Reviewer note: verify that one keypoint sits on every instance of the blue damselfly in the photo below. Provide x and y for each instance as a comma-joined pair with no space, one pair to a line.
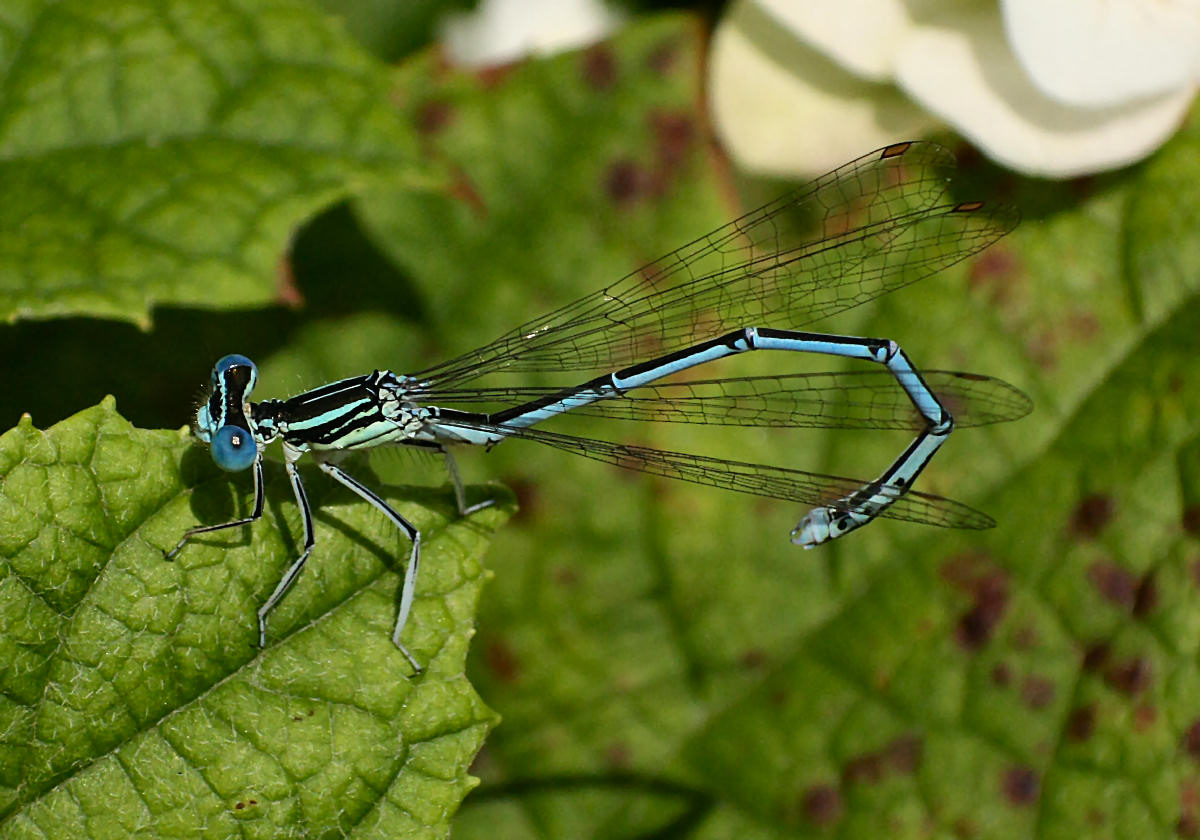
883,221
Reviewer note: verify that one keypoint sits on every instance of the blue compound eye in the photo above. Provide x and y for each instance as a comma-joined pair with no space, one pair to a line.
233,448
249,376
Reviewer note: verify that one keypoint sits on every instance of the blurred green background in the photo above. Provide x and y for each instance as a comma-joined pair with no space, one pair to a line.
665,662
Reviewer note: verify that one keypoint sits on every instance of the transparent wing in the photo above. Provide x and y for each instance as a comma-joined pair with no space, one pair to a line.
756,479
881,222
845,400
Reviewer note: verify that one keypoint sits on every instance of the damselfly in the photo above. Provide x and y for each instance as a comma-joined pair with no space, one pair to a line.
883,221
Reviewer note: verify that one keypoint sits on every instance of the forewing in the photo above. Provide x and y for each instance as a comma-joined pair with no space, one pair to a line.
878,223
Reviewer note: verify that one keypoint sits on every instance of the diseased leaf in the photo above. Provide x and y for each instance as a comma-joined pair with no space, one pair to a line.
134,700
1037,680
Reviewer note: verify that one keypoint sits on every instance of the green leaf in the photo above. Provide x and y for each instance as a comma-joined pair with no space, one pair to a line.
164,153
686,672
134,701
392,30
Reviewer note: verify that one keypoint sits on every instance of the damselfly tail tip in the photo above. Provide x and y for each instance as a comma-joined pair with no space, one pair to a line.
814,528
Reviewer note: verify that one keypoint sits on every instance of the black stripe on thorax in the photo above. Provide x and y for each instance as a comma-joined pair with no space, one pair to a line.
324,414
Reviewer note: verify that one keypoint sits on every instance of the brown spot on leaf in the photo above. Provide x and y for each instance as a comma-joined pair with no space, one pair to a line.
866,768
433,116
978,624
901,755
623,182
673,136
502,661
1037,692
239,806
1189,794
904,754
1020,785
1131,676
1115,583
1145,599
1191,519
1092,515
1081,723
661,59
1095,656
977,576
494,75
599,67
823,804
1144,716
1002,674
1188,824
1191,740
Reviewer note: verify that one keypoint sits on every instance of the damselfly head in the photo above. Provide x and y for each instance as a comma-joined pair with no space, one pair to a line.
221,420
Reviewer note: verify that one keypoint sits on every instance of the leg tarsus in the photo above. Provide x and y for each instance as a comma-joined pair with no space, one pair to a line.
246,520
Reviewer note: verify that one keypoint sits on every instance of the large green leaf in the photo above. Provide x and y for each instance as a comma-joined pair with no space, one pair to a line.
134,700
682,670
159,153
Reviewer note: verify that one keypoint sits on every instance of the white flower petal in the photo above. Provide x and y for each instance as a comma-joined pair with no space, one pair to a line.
860,35
782,109
501,31
1090,53
966,75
